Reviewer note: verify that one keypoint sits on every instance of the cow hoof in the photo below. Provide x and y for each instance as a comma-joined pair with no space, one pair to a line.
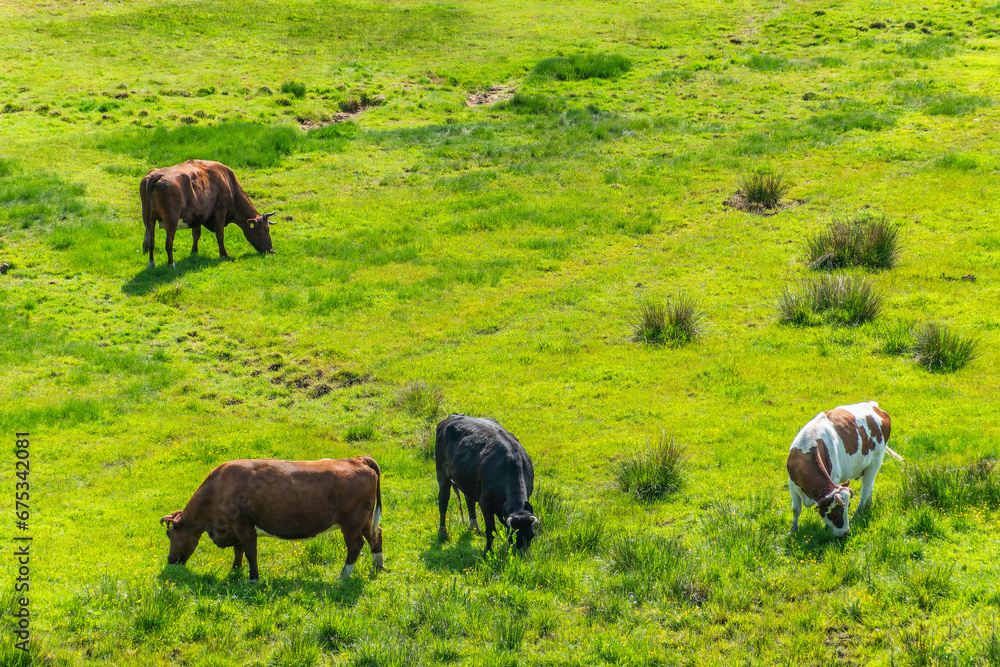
443,535
151,264
379,561
174,265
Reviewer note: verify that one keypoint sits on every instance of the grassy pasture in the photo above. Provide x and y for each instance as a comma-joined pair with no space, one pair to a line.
495,259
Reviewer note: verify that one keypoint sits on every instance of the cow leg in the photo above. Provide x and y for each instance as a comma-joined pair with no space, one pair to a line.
374,538
171,230
237,557
151,237
195,234
444,495
470,503
247,536
354,542
220,231
867,486
489,521
796,509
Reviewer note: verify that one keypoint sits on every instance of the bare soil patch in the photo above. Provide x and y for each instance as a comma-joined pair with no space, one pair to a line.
489,96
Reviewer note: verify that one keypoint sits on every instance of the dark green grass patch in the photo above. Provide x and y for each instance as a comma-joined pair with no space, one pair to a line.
583,66
524,103
676,322
931,46
937,348
839,122
836,299
865,238
951,487
28,199
950,104
829,61
654,472
234,144
765,62
957,161
296,89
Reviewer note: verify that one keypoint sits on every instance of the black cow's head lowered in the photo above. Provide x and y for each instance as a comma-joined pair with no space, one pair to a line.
258,232
183,538
522,524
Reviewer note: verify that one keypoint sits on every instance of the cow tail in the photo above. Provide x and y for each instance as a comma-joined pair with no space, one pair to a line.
145,191
378,492
894,455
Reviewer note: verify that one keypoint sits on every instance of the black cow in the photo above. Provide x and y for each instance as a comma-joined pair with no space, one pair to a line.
485,462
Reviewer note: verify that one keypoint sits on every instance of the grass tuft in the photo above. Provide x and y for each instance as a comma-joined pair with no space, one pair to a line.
338,631
653,473
294,88
583,66
677,322
895,339
765,62
866,239
938,349
951,488
835,299
420,399
759,191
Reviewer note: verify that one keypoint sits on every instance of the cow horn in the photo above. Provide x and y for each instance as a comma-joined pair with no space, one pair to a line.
171,519
510,520
268,215
534,521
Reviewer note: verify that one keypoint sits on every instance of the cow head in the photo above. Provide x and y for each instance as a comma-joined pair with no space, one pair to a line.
834,507
183,537
258,232
522,524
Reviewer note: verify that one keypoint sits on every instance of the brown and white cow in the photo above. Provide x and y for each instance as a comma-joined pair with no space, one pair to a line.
835,447
196,194
291,500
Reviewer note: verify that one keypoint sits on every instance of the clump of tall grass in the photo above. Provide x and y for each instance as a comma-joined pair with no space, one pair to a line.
420,399
583,66
655,472
759,191
296,89
524,103
676,322
939,349
950,487
866,239
652,567
895,339
840,299
361,431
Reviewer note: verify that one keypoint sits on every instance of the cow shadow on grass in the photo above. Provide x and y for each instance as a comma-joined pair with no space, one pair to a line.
235,585
813,539
149,280
455,555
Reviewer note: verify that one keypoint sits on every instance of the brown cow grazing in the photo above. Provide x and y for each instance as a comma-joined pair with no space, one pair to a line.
202,194
291,500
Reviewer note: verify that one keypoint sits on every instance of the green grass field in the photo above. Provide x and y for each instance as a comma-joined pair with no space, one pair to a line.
436,255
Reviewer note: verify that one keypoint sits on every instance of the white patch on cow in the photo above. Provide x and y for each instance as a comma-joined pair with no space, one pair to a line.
379,560
264,533
346,572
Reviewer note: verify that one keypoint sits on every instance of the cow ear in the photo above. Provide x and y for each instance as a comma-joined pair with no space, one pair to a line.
251,222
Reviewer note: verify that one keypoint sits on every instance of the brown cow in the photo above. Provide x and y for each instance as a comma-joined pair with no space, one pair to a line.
291,500
202,194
